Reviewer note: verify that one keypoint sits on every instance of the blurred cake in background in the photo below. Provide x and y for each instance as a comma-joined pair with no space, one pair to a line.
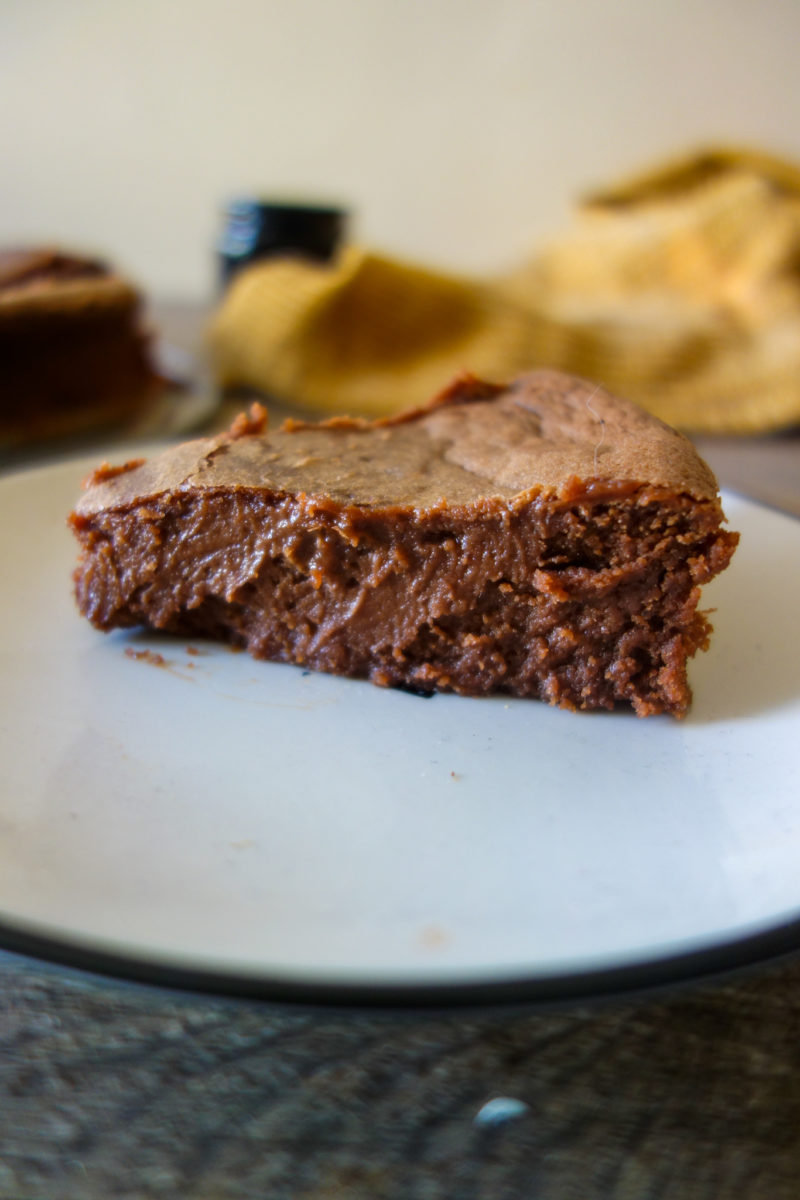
74,353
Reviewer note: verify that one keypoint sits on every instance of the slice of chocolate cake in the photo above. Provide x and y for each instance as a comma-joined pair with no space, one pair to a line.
544,539
73,353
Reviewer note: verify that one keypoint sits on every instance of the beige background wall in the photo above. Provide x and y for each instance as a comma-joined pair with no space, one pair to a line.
459,130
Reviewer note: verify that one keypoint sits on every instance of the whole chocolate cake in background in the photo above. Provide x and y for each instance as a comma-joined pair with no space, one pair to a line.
74,354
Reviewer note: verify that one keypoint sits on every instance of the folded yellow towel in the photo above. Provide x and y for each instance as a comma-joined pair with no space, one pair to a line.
679,289
363,335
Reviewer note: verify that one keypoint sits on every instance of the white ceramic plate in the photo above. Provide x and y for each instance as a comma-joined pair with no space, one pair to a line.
239,826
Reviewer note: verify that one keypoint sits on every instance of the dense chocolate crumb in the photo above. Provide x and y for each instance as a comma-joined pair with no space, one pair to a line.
544,540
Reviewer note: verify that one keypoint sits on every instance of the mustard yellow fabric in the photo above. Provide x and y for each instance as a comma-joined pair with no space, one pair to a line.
366,335
679,289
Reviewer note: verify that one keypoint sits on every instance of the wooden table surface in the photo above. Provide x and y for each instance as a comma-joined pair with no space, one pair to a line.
111,1090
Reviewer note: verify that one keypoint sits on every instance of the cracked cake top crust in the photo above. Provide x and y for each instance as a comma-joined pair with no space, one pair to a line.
545,434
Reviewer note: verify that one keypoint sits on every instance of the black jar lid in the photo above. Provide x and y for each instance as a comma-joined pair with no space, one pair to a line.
255,228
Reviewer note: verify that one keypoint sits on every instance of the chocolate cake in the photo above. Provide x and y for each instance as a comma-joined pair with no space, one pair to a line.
544,539
73,354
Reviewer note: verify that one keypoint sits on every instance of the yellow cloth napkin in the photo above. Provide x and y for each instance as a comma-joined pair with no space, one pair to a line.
365,335
679,289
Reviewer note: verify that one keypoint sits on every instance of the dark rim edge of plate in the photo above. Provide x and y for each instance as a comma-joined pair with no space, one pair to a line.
692,966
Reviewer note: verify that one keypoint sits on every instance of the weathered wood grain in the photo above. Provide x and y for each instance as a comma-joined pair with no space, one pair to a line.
126,1092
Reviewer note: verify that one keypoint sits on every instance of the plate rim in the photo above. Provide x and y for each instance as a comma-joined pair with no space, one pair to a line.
775,942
